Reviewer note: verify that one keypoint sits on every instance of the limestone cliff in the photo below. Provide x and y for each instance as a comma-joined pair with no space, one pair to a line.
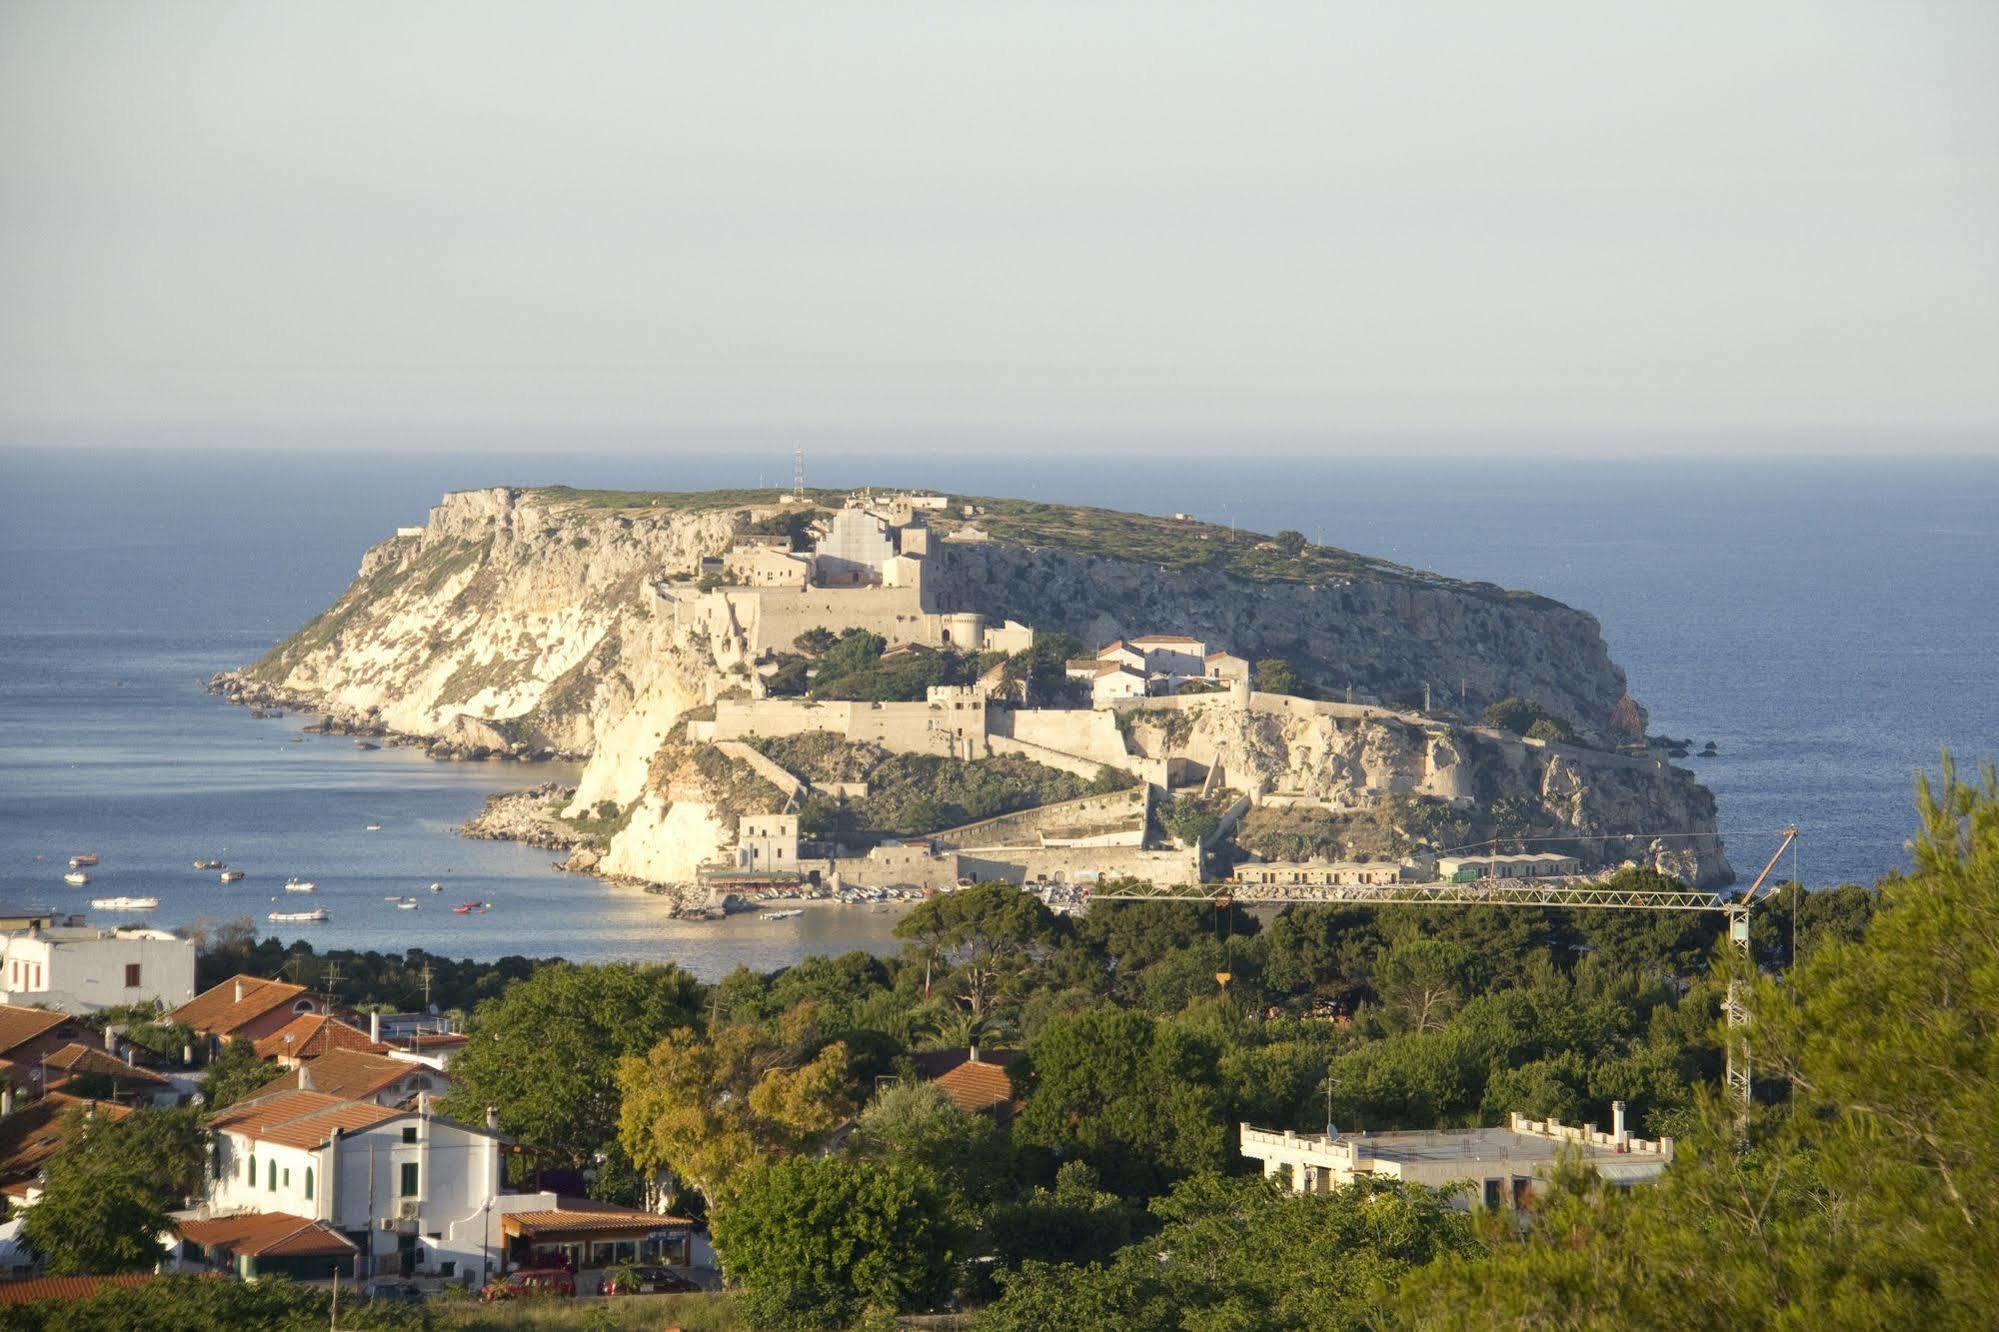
1364,782
553,621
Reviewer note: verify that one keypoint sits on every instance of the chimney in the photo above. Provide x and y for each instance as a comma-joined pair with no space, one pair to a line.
304,1076
1617,1129
375,1027
239,989
492,1119
975,1053
423,1100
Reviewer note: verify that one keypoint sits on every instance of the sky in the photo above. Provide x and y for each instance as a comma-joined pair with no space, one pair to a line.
280,222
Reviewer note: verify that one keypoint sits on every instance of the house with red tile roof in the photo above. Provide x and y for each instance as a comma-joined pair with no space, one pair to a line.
29,1035
264,1244
357,1075
37,1289
85,1069
35,1132
310,1035
247,1006
980,1086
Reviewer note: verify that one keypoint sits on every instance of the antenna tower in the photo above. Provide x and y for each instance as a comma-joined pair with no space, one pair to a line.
798,475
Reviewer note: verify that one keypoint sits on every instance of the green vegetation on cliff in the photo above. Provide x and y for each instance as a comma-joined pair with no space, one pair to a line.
912,794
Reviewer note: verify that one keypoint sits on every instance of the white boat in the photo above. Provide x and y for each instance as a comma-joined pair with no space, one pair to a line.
437,887
299,917
781,915
406,905
230,876
124,903
76,878
298,885
374,827
210,865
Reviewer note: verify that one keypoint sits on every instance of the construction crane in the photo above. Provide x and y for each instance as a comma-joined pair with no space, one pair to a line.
1567,894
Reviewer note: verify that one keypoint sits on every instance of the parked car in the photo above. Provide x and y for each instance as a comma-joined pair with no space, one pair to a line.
530,1282
392,1292
645,1280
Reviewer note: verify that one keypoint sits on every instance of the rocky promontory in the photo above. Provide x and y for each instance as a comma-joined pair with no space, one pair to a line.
520,624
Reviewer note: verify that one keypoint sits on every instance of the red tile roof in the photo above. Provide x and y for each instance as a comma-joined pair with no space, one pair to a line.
20,1025
311,1034
267,1235
34,1133
219,1012
67,1288
299,1118
74,1059
975,1086
352,1075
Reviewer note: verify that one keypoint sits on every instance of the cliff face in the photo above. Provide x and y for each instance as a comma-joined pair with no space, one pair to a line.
1462,784
558,622
1383,636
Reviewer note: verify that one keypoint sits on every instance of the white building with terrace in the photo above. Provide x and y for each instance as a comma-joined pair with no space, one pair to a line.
1482,1167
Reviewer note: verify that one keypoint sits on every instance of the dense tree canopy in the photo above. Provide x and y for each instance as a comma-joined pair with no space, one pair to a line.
545,1054
817,1241
107,1192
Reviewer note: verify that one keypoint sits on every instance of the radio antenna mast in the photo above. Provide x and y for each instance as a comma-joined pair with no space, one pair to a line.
798,475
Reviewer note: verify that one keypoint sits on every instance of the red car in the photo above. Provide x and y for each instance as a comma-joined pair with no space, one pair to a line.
531,1282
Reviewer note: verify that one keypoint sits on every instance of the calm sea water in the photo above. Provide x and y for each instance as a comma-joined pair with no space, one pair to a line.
1831,624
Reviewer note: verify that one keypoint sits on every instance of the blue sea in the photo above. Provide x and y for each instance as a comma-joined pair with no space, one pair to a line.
1830,623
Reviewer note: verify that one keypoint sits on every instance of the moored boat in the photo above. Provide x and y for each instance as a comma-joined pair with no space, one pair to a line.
437,887
230,875
83,861
209,865
299,917
298,885
123,903
405,905
781,915
76,878
374,827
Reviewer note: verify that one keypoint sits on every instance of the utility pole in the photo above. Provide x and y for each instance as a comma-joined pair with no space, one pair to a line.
426,986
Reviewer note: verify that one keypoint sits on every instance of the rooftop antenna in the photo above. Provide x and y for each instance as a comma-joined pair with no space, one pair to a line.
798,475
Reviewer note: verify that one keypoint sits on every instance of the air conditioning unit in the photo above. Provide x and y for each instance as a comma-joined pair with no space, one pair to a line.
409,1209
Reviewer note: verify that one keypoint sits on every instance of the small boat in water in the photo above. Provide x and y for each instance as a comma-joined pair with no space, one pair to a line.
76,878
123,903
406,905
374,827
84,861
437,887
299,917
781,915
230,876
210,864
471,908
298,885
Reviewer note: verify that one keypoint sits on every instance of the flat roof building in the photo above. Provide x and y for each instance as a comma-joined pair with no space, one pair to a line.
1488,1167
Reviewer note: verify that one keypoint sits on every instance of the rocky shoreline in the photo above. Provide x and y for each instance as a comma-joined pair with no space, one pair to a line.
468,740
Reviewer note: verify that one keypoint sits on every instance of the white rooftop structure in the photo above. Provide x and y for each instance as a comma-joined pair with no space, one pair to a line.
1492,1167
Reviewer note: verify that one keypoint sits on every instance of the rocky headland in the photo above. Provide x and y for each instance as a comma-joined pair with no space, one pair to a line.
522,624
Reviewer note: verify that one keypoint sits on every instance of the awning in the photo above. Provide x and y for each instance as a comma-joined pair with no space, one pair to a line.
584,1220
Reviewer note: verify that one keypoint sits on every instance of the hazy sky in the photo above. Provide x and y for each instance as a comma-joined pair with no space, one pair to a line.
1511,218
